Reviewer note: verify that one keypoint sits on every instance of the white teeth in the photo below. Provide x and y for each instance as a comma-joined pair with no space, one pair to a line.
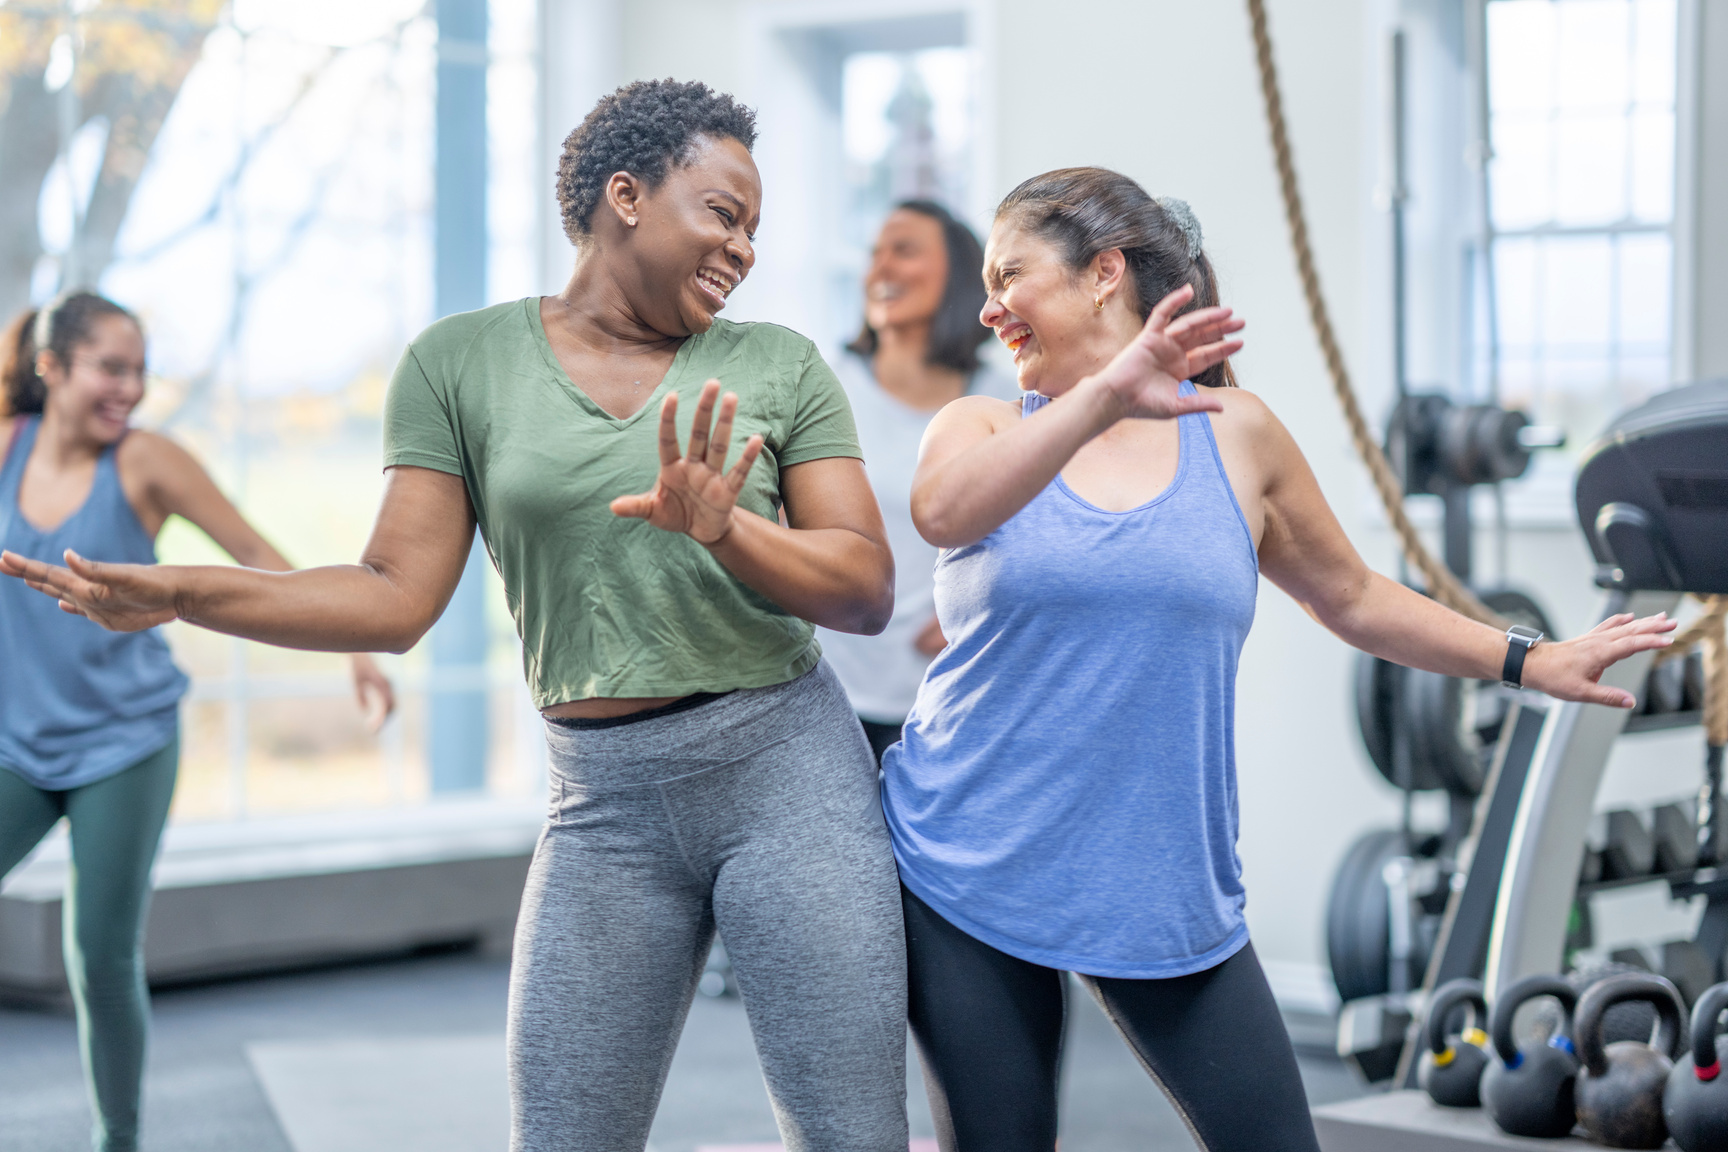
721,286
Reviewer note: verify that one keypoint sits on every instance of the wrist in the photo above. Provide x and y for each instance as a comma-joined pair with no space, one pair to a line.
184,595
726,530
1099,400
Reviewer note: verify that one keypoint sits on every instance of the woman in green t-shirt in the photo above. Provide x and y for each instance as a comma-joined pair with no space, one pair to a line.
706,768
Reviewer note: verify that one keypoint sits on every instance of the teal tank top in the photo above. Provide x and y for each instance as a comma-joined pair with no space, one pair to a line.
77,702
1066,788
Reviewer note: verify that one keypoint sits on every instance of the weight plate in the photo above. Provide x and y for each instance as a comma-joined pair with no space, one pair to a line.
1452,725
1358,936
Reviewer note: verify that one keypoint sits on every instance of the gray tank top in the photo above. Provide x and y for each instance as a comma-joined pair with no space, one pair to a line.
77,702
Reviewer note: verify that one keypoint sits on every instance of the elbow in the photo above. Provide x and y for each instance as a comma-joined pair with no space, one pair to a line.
877,609
937,529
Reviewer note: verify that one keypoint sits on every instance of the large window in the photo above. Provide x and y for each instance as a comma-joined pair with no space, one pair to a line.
256,180
1582,124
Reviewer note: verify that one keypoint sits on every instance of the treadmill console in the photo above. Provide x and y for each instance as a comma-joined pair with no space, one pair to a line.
1653,494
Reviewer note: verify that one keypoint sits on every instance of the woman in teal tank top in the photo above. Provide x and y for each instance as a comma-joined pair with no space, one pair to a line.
1065,795
89,719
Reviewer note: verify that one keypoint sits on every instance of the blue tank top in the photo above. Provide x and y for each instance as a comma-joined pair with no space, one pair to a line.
1066,788
77,702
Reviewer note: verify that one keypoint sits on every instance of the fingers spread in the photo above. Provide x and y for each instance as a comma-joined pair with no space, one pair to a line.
741,470
634,507
1203,358
1168,307
669,429
722,441
703,420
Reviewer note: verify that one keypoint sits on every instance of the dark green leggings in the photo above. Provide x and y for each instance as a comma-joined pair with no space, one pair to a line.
116,824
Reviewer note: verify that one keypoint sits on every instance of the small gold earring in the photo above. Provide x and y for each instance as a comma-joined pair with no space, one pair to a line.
1098,303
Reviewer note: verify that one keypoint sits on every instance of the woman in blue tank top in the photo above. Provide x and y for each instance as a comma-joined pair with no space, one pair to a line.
89,719
1065,794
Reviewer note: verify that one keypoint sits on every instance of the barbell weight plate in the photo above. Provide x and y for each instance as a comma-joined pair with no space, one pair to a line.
1358,936
1452,725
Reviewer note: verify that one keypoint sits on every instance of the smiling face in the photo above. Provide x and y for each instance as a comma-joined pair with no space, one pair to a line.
691,244
908,272
1040,308
95,393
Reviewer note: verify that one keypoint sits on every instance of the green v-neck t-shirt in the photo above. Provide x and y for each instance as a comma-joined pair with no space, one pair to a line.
608,606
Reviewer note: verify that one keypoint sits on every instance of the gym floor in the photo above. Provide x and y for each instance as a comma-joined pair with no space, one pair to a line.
408,1054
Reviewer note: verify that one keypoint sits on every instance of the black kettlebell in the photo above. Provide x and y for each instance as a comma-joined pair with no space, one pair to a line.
1528,1091
1451,1073
1695,1103
1620,1085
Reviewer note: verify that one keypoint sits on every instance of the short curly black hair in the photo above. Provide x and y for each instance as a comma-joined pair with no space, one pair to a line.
643,128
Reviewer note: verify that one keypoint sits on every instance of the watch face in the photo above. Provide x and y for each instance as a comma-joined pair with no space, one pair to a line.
1523,632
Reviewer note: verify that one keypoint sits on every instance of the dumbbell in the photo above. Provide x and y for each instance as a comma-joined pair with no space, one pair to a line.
1693,680
1689,968
1628,849
1665,688
1676,836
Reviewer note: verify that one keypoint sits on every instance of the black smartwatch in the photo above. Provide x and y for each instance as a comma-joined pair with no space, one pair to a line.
1520,638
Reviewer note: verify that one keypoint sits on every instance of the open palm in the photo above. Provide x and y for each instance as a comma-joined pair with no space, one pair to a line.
693,493
120,597
1146,376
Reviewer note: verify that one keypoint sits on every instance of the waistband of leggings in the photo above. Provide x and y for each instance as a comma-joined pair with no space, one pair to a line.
682,704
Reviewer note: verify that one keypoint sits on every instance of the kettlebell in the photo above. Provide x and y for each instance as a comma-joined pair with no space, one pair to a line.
1528,1091
1695,1103
1451,1073
1621,1084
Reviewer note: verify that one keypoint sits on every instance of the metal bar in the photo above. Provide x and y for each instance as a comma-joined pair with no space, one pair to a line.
1541,874
1462,942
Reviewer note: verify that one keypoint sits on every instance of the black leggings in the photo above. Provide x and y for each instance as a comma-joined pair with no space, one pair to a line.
989,1033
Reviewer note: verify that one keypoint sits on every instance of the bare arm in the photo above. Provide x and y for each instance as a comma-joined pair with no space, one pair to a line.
974,474
385,603
830,563
1305,552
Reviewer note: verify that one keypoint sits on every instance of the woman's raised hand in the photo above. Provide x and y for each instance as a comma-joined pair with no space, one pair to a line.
120,597
1571,669
693,494
1144,378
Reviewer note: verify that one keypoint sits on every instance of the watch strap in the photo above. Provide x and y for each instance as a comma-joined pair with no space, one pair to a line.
1519,641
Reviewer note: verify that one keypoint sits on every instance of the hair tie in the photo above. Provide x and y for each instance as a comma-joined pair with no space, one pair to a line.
1184,219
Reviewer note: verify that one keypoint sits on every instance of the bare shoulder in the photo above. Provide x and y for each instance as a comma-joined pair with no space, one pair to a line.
155,458
1247,418
978,412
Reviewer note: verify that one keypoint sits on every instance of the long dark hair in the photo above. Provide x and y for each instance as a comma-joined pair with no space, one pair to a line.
1085,211
58,327
955,332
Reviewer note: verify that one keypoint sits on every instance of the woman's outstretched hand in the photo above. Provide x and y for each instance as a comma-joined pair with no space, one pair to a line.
693,494
1571,669
120,597
372,691
1145,377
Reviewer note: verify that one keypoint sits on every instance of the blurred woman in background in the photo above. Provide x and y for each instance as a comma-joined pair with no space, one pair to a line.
917,352
89,719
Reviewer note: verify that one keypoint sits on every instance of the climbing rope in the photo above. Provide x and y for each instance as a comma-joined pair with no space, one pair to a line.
1441,583
1445,587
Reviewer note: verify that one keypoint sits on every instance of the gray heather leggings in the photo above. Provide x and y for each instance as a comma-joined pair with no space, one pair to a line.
755,814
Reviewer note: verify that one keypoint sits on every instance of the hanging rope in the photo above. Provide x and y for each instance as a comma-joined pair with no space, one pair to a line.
1445,587
1441,583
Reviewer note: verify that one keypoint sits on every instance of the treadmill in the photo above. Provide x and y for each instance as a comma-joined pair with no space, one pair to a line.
1652,500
